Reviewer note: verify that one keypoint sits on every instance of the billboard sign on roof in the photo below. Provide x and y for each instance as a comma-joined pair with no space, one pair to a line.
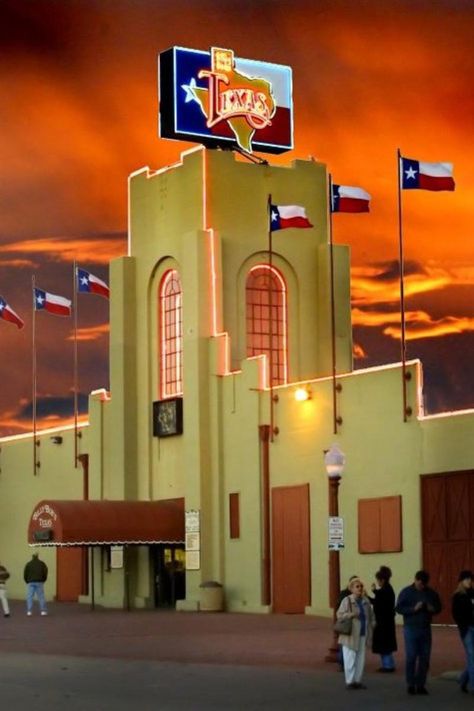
224,101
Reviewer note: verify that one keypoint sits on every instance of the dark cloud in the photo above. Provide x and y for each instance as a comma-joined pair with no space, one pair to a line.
47,406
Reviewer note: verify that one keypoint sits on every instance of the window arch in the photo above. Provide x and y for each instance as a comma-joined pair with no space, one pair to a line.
267,332
170,299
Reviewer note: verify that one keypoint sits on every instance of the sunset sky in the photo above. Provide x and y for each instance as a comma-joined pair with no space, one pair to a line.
78,91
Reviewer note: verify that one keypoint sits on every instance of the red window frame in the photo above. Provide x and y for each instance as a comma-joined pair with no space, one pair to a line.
266,293
171,334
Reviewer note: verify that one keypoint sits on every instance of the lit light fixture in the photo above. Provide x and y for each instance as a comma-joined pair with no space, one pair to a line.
302,394
334,460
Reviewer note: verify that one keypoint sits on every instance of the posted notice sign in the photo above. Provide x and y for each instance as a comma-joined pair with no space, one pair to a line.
335,533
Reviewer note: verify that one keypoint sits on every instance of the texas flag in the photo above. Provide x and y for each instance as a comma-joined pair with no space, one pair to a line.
87,283
57,305
347,199
283,216
417,175
7,313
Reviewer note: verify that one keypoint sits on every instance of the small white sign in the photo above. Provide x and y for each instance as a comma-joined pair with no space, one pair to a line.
193,560
193,541
116,557
335,533
192,523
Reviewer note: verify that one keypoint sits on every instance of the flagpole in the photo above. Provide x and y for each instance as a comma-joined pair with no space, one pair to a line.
75,377
336,420
405,375
270,289
33,373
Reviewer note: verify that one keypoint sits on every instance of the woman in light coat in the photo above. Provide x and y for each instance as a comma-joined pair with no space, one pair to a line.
357,607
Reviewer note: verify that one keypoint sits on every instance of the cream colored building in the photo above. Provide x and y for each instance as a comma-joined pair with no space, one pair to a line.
189,316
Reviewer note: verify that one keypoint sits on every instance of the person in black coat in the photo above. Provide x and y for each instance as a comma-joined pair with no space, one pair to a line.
463,614
383,601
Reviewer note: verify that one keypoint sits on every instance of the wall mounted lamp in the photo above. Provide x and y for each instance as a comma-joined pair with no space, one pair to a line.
303,393
57,439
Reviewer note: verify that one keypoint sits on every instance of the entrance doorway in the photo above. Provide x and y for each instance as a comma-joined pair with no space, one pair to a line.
290,549
448,531
71,573
169,576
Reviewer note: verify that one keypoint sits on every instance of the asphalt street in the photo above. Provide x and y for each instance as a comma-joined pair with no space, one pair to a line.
76,659
53,683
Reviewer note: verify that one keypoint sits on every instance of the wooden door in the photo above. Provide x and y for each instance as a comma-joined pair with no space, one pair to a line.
70,573
448,531
291,568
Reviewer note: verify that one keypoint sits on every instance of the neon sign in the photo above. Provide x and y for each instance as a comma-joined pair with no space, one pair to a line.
218,99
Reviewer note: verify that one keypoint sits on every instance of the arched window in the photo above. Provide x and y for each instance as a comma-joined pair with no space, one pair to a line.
266,315
171,335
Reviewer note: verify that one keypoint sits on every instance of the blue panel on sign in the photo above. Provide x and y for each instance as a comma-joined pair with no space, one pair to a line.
221,100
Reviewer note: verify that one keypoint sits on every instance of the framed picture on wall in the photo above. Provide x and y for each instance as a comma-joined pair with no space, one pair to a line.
168,417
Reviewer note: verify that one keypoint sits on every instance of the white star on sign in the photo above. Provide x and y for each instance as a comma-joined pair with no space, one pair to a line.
274,216
190,93
411,173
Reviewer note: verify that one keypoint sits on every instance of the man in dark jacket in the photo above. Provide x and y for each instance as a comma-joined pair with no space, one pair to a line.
35,575
418,603
463,614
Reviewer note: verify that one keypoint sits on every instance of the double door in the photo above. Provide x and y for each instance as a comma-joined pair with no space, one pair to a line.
448,532
169,575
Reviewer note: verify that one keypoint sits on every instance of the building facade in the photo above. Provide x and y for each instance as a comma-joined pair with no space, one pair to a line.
210,333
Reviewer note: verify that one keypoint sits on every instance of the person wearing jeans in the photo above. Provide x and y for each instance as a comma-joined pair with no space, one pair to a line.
463,613
35,575
418,603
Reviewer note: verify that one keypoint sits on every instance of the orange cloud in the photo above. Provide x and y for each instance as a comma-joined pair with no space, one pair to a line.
18,263
419,324
358,351
369,287
58,249
90,333
433,329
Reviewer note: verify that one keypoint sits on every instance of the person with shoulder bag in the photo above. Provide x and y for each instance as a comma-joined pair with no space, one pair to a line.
355,621
4,575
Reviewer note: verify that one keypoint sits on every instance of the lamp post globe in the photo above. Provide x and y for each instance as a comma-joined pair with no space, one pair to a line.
334,460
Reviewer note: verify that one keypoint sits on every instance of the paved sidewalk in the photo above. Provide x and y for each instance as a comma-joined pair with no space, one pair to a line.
296,641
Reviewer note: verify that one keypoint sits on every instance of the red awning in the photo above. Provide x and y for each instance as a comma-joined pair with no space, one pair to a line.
79,523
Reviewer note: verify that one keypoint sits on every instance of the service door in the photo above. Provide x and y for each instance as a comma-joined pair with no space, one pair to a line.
291,574
71,573
448,531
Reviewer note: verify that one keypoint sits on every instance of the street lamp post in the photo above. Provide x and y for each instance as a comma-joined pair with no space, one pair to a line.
334,460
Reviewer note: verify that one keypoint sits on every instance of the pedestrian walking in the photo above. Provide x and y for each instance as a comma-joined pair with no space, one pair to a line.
35,575
4,575
383,601
463,614
418,603
356,607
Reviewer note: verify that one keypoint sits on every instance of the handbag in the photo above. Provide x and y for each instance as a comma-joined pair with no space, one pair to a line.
343,626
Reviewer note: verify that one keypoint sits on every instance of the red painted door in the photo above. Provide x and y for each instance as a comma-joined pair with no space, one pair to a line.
70,573
448,531
291,567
